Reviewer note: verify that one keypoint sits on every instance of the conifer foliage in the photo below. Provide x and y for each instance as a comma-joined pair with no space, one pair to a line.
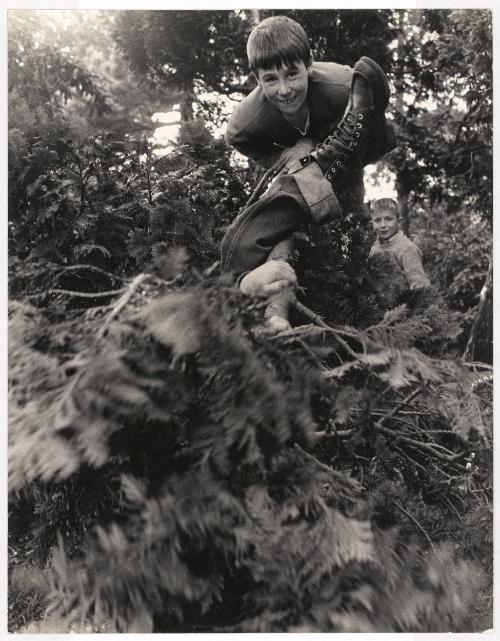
199,475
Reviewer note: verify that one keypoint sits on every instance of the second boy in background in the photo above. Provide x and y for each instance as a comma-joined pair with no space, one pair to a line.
391,240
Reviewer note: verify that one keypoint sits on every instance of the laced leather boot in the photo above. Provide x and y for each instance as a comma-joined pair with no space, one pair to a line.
345,147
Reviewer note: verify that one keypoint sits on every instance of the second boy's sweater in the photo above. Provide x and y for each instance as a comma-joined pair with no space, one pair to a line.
407,255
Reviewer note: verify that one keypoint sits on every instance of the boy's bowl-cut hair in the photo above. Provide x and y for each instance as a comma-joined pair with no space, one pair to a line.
277,41
384,204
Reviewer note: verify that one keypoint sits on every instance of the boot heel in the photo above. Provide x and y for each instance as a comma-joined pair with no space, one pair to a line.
378,80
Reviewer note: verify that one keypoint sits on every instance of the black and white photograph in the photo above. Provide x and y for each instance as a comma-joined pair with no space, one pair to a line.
250,320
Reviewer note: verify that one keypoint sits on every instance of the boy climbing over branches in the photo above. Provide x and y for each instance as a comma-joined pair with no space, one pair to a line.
318,124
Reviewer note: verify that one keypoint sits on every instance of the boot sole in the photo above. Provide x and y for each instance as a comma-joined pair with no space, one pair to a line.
375,75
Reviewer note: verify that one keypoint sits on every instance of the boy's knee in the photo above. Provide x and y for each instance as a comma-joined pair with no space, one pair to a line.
292,154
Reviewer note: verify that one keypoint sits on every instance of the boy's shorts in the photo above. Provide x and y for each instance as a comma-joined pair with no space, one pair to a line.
301,196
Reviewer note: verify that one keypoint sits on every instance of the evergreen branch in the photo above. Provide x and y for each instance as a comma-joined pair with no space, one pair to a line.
97,308
68,292
477,364
446,455
414,429
420,527
310,352
122,302
161,281
448,502
415,412
444,432
296,335
301,331
326,468
449,457
483,380
396,408
92,268
317,320
410,460
317,436
422,430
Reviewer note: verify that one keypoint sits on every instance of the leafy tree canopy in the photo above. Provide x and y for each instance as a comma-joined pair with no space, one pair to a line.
443,104
184,47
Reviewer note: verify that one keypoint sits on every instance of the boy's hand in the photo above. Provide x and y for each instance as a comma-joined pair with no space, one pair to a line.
269,278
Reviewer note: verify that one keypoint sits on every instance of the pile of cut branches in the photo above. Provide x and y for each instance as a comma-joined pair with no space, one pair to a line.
174,468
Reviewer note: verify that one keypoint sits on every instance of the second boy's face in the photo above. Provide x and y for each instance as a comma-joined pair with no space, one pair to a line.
385,224
285,88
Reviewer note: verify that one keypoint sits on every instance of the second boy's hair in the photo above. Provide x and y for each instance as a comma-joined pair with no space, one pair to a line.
384,204
277,41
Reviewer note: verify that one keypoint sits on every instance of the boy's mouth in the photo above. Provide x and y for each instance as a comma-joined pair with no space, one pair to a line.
287,101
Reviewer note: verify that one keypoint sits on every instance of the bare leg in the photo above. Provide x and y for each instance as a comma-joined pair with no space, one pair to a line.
277,310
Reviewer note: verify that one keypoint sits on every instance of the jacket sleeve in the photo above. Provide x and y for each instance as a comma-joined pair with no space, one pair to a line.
262,154
411,260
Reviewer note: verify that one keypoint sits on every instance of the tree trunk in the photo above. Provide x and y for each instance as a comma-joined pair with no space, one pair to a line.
402,189
403,208
186,105
480,343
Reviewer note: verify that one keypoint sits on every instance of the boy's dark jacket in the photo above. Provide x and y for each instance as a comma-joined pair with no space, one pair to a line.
259,131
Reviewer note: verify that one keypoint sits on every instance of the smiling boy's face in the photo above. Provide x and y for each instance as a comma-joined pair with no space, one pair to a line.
385,224
285,88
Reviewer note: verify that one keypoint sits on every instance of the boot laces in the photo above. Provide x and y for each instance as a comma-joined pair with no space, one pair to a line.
346,132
